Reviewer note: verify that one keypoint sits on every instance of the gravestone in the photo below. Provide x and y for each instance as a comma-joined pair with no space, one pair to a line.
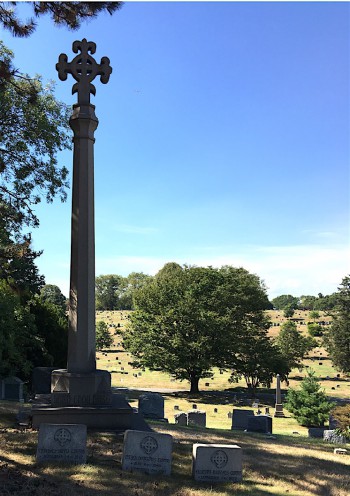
278,404
64,443
151,405
196,418
332,436
217,463
333,424
12,389
181,419
149,453
240,419
41,380
260,423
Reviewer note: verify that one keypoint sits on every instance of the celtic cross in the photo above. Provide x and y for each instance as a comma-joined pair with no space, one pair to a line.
84,69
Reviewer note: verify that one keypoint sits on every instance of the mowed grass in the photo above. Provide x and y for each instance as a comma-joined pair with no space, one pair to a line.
118,362
278,465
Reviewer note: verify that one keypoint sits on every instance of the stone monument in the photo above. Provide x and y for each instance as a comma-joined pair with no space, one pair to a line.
278,405
81,393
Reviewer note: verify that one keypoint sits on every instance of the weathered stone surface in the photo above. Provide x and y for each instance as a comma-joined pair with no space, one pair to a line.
62,443
316,432
332,436
150,453
181,418
151,405
217,463
11,389
260,423
240,419
197,417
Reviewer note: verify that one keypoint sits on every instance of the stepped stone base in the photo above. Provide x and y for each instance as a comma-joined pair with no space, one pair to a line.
279,411
119,416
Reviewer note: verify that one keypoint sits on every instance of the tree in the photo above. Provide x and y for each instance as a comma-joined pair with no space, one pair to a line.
130,284
281,302
314,315
258,359
189,319
337,337
52,294
68,14
309,405
288,311
103,336
293,345
341,415
107,291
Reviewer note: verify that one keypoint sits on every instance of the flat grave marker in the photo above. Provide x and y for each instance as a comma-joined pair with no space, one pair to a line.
217,462
62,443
150,453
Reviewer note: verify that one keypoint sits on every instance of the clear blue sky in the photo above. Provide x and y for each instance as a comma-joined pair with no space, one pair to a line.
223,139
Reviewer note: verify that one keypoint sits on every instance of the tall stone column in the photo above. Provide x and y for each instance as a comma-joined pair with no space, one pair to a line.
81,384
278,405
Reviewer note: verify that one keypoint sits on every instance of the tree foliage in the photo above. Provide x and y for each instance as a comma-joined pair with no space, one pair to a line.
309,405
103,336
190,319
337,337
52,294
69,14
341,415
293,345
283,301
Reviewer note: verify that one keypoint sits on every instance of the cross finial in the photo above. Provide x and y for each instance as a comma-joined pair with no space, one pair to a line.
84,69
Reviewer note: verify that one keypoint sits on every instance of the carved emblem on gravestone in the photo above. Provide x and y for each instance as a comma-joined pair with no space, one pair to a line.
63,436
219,458
149,445
84,69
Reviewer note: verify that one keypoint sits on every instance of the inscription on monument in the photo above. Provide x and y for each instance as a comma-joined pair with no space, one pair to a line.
217,463
62,443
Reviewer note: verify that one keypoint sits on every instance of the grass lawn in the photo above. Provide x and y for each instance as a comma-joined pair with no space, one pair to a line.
282,465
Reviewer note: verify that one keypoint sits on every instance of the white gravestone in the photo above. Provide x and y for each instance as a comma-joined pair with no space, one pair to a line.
150,453
217,463
62,443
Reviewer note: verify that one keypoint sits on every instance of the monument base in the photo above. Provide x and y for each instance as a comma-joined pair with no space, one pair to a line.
279,411
118,416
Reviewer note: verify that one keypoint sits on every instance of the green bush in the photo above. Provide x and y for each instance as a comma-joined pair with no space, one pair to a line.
309,405
315,330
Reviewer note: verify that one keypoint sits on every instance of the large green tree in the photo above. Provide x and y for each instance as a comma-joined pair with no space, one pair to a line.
107,290
52,294
293,345
283,301
337,337
190,319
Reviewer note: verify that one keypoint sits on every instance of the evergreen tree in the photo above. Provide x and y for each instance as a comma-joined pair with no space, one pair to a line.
309,405
103,336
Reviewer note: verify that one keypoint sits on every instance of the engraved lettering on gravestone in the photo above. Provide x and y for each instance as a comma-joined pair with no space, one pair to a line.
149,445
219,458
84,69
63,436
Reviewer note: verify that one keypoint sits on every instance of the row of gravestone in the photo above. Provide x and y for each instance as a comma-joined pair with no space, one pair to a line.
150,453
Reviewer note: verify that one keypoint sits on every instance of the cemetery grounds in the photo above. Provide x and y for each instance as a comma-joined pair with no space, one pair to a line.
287,463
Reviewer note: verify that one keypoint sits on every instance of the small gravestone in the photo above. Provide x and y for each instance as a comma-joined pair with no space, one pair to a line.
181,419
332,436
267,410
65,443
333,424
255,404
260,423
194,406
215,410
176,407
229,415
240,419
340,451
149,453
217,463
151,405
12,389
207,384
197,418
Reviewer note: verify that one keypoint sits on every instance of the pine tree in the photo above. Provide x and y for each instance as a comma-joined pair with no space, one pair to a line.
309,405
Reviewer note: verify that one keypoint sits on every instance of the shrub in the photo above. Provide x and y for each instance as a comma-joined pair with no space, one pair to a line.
342,416
315,330
309,405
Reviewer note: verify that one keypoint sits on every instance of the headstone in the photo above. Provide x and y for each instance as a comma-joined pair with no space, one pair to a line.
333,424
196,417
255,404
41,380
278,404
229,415
194,406
12,389
215,410
217,463
207,384
149,453
62,443
240,419
340,451
267,410
260,423
181,419
151,405
332,436
176,407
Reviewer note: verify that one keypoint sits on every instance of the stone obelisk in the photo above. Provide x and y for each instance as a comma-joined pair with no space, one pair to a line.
81,384
278,405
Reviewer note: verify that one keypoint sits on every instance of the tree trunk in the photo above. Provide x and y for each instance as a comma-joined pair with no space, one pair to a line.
194,380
